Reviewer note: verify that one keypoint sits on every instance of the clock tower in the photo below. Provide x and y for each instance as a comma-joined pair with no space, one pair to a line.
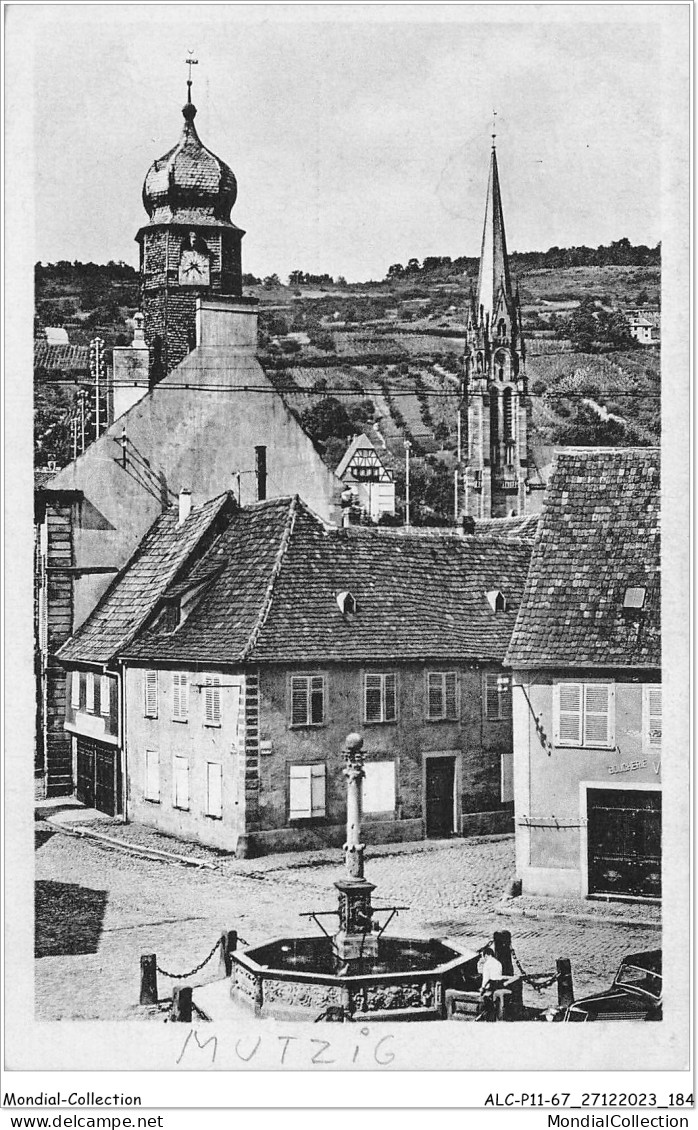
189,247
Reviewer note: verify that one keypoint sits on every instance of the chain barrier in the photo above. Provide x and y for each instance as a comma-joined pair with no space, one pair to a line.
537,981
183,976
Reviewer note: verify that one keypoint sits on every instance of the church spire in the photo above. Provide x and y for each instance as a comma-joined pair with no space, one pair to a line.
494,261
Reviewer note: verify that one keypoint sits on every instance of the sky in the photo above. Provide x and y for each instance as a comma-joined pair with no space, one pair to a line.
359,134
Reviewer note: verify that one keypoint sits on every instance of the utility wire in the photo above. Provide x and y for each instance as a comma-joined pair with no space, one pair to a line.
378,391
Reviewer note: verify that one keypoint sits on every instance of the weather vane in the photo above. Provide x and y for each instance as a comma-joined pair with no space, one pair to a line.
190,63
494,127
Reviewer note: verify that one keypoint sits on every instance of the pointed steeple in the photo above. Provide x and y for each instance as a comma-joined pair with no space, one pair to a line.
494,261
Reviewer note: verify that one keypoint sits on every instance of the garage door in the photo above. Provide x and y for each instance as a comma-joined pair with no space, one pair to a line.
624,831
98,776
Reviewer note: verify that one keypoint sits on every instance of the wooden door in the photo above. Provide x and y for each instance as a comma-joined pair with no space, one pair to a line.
440,774
85,784
624,842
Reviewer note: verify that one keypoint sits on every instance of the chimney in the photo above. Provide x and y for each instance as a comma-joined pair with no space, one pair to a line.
138,332
467,525
184,505
260,464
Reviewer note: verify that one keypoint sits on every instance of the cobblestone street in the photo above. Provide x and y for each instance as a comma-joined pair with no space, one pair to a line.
98,909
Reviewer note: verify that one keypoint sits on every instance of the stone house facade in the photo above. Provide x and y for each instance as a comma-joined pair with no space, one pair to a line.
287,635
272,637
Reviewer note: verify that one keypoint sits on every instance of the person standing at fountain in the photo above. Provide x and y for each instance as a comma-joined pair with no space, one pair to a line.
490,970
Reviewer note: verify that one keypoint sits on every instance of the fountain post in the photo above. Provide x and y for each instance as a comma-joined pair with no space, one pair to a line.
355,937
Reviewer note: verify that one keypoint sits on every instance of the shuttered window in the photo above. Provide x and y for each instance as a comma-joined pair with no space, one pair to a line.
378,794
152,775
584,714
214,789
75,690
442,695
652,718
380,697
496,695
307,700
180,782
150,694
90,692
105,695
180,697
212,701
306,791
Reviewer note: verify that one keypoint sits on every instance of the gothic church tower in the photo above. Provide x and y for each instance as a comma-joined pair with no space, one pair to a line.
498,407
189,248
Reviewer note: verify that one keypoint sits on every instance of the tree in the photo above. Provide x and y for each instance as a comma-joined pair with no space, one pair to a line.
328,418
271,281
395,271
582,327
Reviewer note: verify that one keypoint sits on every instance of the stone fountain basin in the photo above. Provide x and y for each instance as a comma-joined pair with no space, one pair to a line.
301,978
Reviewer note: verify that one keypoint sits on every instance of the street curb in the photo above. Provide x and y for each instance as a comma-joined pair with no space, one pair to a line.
508,911
81,832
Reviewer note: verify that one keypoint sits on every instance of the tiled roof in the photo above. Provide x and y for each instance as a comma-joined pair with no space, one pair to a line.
598,535
521,526
275,599
135,591
64,358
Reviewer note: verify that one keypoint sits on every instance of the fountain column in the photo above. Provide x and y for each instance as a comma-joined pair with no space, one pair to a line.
355,937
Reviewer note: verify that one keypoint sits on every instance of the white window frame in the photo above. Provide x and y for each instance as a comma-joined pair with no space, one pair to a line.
214,807
151,691
90,693
212,701
305,686
75,690
651,744
383,766
180,696
499,683
585,691
307,791
105,696
151,776
382,677
440,680
181,796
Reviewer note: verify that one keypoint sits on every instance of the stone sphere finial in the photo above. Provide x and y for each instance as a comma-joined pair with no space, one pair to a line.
353,743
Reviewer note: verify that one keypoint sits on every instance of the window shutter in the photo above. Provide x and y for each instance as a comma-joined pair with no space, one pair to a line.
180,696
390,698
507,778
175,695
317,699
75,691
569,714
317,789
151,694
492,697
379,786
212,700
214,789
435,695
152,775
300,803
597,714
90,693
372,698
181,782
451,695
105,695
299,701
653,716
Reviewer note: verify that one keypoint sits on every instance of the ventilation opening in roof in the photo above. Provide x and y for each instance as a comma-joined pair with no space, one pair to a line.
347,603
496,600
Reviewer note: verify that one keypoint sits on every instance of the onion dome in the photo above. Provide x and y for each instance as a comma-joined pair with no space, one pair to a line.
190,185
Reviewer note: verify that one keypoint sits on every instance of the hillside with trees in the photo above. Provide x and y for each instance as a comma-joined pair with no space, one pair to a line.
385,357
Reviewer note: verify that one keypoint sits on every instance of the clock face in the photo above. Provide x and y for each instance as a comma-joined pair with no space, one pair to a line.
193,268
